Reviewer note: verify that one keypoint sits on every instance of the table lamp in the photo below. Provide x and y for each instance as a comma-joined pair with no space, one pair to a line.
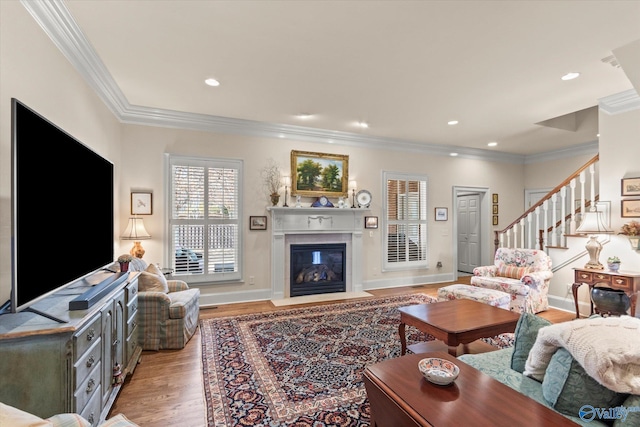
592,224
135,231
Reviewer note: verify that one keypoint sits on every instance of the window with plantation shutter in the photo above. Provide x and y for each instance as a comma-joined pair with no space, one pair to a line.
405,221
204,224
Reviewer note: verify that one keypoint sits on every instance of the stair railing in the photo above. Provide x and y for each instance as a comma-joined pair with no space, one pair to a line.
539,226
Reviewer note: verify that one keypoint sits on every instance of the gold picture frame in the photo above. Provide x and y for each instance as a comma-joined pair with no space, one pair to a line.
319,174
495,197
495,220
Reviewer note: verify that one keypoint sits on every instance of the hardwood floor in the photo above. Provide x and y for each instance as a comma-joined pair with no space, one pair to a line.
166,387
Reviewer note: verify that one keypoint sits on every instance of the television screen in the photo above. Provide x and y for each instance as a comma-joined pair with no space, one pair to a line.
62,208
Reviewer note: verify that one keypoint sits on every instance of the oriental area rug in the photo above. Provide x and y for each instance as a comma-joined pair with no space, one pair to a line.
302,367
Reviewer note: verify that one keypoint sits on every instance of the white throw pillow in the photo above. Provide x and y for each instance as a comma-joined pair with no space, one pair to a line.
152,280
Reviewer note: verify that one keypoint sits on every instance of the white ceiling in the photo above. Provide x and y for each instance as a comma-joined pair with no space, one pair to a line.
406,67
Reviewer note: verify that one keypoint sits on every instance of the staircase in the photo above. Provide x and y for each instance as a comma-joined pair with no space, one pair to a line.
551,223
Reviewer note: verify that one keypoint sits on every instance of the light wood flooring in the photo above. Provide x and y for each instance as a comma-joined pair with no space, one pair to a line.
166,387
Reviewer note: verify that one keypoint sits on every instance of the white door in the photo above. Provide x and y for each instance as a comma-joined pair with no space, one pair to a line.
468,232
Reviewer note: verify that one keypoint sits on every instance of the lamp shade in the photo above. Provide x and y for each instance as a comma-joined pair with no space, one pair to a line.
135,230
592,224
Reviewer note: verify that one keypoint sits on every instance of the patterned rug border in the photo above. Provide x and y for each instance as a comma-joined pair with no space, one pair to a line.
284,413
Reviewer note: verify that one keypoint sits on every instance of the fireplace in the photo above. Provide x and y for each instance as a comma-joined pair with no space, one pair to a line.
317,269
315,226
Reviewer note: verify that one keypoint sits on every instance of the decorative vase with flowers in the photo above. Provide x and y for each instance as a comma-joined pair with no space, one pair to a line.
272,180
632,231
124,261
613,262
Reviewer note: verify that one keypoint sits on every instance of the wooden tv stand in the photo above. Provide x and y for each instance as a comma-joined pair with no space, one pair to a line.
48,367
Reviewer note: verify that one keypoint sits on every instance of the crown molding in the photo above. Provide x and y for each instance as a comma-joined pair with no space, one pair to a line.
620,102
58,23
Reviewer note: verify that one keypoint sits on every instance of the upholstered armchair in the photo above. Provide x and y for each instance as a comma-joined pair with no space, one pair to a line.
523,273
168,310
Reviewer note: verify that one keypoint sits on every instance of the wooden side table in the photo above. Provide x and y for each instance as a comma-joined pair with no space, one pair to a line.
628,281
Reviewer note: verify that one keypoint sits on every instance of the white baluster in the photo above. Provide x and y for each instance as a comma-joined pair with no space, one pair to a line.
554,220
529,231
563,221
545,233
572,223
537,230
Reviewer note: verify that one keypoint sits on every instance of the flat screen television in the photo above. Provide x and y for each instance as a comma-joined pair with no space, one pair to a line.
62,209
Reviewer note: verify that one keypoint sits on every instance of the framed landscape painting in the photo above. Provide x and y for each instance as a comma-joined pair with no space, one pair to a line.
319,174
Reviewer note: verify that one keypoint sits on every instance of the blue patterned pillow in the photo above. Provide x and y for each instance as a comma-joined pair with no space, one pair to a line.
567,387
525,335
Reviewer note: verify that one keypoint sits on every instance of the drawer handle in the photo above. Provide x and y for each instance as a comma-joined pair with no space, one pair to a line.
116,342
133,325
134,291
91,418
584,276
90,386
134,308
90,361
600,276
91,335
619,281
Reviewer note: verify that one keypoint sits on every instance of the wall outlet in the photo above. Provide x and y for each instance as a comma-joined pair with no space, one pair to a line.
252,280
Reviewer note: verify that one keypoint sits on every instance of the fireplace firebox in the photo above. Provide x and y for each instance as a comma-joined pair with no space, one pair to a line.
317,268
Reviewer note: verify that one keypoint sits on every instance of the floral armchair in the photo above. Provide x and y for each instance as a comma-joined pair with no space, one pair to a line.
522,273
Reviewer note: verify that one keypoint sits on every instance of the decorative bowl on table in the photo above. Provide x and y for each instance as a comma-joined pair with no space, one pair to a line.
438,371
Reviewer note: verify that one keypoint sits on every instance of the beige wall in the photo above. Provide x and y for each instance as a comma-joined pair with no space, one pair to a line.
33,70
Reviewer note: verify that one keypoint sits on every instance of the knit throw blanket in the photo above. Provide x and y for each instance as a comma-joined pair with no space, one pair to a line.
608,348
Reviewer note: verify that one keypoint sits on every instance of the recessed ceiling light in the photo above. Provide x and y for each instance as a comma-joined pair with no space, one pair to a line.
492,144
453,154
304,115
363,125
452,122
212,82
570,76
281,135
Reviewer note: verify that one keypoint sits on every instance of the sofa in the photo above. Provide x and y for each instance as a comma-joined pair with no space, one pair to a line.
564,386
522,273
168,310
14,417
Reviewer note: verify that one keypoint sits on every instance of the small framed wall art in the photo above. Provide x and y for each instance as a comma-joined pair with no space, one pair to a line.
495,197
631,186
495,209
630,208
495,220
442,214
141,203
257,223
370,222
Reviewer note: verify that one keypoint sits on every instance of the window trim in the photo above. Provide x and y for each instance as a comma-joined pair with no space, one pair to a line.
168,252
405,265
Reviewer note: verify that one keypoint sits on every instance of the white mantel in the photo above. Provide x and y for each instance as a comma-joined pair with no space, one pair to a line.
315,224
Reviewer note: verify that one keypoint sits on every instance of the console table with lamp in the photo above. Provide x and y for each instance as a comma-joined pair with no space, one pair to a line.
593,272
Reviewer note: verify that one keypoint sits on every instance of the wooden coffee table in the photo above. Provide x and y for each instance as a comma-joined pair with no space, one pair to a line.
456,322
400,397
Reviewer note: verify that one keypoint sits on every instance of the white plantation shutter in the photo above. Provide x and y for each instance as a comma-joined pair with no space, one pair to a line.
205,219
405,221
